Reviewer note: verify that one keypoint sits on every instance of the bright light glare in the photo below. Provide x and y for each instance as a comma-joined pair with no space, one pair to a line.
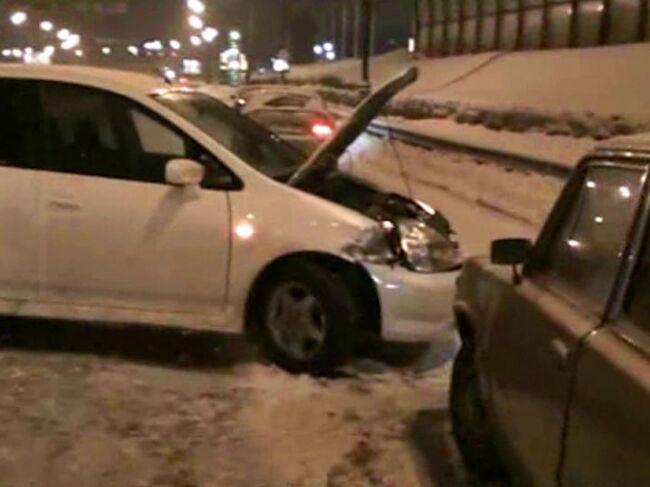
79,53
321,130
328,46
574,243
196,41
169,74
106,50
599,219
330,56
175,45
49,51
47,26
234,35
244,230
17,53
195,22
209,34
63,34
133,50
318,49
71,42
591,184
18,18
196,6
625,192
153,46
411,45
6,52
280,65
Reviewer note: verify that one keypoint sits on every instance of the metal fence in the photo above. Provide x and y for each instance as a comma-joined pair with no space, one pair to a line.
447,27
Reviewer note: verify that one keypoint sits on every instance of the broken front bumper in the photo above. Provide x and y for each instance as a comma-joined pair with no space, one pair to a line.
414,307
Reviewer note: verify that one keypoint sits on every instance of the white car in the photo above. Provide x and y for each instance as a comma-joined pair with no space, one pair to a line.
126,201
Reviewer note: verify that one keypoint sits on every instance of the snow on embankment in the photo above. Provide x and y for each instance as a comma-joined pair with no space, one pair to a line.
595,93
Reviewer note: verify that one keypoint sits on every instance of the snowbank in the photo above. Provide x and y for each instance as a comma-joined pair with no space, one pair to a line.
594,93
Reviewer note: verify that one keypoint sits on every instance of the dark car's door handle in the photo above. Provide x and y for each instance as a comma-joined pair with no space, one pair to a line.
562,353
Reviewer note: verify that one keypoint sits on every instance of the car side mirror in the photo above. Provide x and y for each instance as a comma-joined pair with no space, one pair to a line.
184,172
512,252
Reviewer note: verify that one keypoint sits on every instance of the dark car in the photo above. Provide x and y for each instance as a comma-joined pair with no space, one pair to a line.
552,383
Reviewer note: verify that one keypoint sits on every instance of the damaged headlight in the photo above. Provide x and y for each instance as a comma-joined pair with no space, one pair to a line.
411,243
426,250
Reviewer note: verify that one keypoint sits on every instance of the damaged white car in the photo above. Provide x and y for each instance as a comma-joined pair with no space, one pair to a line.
131,202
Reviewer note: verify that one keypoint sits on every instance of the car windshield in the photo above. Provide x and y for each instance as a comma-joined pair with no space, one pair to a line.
252,143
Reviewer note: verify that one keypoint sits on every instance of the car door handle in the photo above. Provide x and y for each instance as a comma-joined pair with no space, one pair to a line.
562,353
62,204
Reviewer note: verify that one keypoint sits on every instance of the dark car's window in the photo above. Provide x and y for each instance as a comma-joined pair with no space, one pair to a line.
83,132
586,253
637,306
253,144
20,125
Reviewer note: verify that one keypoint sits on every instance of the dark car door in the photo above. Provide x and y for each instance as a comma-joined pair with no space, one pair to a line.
608,432
538,326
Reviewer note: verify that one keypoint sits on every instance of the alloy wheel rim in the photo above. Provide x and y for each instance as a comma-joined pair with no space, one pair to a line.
296,321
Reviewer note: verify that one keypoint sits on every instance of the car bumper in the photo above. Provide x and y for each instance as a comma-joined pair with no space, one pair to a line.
414,307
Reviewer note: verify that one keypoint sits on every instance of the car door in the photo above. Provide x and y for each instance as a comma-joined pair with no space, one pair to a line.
21,156
608,433
538,326
117,235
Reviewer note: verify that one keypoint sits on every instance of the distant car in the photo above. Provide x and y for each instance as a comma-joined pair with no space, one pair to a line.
553,378
305,129
126,201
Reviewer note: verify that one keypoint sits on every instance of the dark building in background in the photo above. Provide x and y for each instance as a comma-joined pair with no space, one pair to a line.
446,27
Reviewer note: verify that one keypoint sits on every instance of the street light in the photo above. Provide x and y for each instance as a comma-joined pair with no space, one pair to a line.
235,35
46,26
196,6
328,46
49,51
63,34
196,41
209,34
79,53
175,45
153,46
106,51
195,22
17,53
318,50
18,18
330,55
71,42
133,50
6,52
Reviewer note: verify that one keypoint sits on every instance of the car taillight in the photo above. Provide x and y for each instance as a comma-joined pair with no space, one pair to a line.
322,130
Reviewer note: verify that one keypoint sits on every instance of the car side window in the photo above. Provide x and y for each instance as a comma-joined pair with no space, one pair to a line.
156,143
585,255
637,304
293,101
21,142
83,135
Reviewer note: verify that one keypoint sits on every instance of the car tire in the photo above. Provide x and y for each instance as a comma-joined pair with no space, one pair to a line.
307,319
469,422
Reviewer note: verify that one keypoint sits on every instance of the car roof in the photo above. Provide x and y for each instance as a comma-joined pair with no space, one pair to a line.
110,79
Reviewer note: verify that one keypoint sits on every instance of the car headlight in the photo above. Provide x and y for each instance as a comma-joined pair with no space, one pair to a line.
425,250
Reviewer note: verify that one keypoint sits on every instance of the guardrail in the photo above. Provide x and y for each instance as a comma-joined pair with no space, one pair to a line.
510,161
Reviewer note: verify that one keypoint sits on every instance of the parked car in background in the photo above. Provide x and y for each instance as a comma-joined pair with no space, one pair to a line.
128,201
553,378
254,97
304,129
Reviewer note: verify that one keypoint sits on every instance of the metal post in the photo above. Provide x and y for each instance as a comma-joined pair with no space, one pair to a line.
460,42
521,24
498,28
366,39
574,33
344,30
641,33
480,14
545,40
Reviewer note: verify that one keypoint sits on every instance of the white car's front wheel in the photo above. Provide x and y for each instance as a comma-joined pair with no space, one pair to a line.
308,318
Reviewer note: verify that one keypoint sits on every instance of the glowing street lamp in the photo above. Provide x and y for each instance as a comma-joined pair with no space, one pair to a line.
195,22
330,55
106,51
63,34
71,42
234,35
49,51
18,18
46,26
196,6
196,41
328,47
133,50
318,50
6,53
79,53
209,34
175,45
17,53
